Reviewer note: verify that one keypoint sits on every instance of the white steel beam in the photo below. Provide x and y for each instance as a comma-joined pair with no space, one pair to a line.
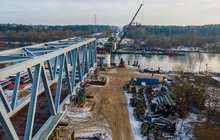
7,125
4,101
39,59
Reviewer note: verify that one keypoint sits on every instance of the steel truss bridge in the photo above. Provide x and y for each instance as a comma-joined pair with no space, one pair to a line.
51,73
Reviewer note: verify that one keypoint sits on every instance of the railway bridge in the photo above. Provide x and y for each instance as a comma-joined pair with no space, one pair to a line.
37,84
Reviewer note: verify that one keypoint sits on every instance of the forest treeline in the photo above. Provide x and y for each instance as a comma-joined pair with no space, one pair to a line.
14,35
207,36
47,28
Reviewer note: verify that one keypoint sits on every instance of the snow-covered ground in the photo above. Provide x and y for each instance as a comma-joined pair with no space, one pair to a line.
113,70
184,127
9,94
216,78
87,124
135,125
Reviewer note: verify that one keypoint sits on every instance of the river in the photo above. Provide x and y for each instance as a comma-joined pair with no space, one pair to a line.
192,62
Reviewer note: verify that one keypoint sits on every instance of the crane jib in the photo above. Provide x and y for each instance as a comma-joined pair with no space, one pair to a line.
130,24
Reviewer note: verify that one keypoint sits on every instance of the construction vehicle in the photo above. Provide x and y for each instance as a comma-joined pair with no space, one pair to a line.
119,43
122,63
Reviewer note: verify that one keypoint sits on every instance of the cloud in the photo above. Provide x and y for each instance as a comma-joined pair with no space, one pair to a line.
114,12
51,5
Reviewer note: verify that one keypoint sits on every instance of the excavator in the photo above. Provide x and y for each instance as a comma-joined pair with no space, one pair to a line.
122,63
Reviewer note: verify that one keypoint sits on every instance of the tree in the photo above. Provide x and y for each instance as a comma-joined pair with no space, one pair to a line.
212,105
173,36
190,96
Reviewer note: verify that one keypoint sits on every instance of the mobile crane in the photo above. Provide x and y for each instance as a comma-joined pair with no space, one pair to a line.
130,24
122,63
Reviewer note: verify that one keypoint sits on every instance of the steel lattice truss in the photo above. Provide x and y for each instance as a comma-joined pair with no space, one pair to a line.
66,61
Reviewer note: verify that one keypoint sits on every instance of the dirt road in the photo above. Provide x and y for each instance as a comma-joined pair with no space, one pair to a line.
111,103
110,113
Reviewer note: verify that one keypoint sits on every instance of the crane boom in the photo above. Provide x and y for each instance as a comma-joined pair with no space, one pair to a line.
130,24
135,15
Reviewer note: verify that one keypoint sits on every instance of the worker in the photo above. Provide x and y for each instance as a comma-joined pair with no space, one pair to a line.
73,136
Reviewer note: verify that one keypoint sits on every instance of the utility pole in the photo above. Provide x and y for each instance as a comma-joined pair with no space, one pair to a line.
95,19
206,69
200,65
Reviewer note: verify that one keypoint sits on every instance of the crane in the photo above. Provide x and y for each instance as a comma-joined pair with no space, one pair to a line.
130,25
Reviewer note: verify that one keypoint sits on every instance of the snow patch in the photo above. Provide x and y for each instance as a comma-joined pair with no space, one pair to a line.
78,112
83,121
135,125
184,127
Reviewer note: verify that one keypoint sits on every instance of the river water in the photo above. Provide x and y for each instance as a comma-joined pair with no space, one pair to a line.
191,62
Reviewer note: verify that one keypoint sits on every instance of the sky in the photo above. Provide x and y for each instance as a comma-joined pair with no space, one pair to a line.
110,12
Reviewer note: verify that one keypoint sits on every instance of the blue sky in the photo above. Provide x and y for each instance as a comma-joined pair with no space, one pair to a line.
112,12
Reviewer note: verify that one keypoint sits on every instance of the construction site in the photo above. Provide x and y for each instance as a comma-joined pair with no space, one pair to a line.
69,89
84,88
78,98
104,113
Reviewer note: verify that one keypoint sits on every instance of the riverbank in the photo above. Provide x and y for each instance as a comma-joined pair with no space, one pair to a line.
149,53
191,62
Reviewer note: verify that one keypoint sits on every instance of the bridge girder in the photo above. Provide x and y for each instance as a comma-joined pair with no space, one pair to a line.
45,64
